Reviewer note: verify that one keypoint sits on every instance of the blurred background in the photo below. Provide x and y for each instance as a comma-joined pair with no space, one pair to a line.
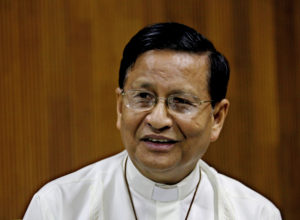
59,62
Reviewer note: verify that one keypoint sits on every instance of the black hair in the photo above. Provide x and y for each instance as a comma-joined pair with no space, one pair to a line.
178,37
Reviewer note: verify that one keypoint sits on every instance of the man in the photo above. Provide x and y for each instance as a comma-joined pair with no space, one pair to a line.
171,105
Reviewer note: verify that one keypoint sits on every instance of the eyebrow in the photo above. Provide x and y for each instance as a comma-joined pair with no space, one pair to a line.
145,85
177,91
181,92
141,83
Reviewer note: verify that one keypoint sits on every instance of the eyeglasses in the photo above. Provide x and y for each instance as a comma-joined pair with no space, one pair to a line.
181,103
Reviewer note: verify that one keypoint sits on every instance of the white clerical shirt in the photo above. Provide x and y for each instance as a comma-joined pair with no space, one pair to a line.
99,192
159,201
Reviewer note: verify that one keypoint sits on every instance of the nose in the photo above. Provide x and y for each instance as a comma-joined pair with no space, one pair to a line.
158,118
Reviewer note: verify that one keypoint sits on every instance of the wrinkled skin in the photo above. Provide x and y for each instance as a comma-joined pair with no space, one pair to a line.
165,72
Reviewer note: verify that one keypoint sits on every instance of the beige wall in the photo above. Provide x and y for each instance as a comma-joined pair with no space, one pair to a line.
59,67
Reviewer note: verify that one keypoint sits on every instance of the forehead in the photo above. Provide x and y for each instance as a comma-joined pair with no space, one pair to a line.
170,69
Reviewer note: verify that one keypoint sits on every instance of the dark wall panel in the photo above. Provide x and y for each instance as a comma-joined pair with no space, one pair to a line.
59,65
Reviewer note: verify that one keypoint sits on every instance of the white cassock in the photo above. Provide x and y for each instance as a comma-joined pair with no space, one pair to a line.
98,191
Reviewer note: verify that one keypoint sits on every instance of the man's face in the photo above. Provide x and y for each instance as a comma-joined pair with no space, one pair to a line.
165,146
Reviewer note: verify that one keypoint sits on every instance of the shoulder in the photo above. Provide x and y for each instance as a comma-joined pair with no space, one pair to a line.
88,174
78,193
244,201
78,188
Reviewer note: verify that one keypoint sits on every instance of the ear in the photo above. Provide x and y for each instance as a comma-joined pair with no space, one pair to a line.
119,107
219,115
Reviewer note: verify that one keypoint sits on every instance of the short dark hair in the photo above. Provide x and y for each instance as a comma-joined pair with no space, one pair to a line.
178,37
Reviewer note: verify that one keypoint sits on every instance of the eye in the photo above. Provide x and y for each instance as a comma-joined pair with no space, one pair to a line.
181,101
142,99
182,104
143,95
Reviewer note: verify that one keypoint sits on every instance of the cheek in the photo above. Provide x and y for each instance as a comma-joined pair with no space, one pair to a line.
195,127
197,134
130,122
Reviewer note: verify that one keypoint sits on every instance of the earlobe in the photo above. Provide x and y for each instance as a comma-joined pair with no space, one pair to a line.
219,115
119,107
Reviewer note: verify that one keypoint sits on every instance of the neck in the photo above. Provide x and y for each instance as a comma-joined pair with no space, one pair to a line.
160,192
166,176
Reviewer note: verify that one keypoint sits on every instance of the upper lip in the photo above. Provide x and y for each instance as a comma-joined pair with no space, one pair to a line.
158,137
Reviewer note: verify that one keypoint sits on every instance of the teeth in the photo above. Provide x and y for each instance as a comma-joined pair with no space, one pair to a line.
159,140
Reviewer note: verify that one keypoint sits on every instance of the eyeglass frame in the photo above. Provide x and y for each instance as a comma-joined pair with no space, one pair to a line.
167,103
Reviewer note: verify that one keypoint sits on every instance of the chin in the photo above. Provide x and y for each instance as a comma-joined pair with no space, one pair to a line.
158,163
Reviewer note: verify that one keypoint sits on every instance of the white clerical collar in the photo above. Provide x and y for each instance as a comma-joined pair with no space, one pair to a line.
158,191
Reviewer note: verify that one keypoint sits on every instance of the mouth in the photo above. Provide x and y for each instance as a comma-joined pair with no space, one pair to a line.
159,143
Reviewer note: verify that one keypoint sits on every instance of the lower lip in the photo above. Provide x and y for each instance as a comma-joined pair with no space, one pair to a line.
159,147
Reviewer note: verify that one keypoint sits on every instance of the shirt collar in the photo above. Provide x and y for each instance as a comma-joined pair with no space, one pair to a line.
158,191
